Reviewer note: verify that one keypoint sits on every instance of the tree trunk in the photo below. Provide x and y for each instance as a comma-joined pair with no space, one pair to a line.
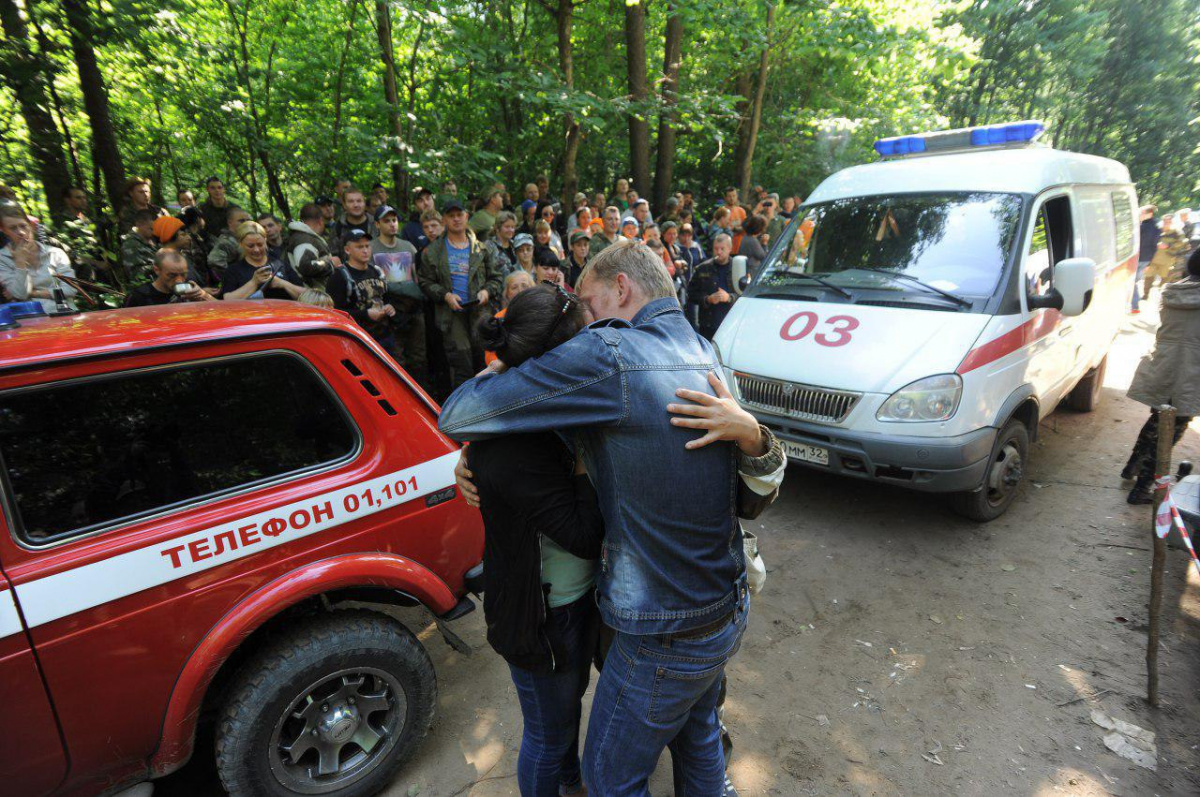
748,131
45,46
383,28
27,76
95,101
258,149
410,118
672,57
339,79
639,128
564,18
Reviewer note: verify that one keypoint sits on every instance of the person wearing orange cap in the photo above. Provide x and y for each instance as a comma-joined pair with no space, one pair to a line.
166,228
172,233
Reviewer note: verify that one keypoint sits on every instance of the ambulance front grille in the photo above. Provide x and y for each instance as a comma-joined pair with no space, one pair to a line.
805,402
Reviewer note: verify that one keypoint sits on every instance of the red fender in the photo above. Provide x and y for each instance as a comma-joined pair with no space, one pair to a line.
353,570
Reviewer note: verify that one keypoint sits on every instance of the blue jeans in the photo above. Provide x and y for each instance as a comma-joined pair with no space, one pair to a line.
656,691
551,706
1137,282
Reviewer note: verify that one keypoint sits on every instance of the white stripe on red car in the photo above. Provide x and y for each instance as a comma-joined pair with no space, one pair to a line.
62,594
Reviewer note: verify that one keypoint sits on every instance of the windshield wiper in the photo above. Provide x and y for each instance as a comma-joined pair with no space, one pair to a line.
960,301
824,282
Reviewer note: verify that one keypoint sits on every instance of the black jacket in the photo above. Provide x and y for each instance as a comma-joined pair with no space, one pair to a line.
526,491
1150,234
706,279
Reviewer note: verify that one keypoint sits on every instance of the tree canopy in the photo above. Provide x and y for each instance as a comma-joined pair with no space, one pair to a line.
281,98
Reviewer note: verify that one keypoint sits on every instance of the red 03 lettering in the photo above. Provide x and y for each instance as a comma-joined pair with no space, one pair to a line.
802,324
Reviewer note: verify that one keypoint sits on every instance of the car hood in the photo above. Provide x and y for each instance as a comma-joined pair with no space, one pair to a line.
851,347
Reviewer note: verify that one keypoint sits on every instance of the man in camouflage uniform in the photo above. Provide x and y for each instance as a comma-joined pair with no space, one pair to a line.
225,249
138,248
78,234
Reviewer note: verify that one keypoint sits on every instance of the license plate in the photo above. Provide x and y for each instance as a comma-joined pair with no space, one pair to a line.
806,453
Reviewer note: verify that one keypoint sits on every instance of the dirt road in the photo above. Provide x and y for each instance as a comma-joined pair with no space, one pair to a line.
900,650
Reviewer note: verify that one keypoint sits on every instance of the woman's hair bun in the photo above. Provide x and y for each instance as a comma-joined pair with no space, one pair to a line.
493,334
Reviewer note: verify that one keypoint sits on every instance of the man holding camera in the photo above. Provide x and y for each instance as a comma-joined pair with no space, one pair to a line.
170,283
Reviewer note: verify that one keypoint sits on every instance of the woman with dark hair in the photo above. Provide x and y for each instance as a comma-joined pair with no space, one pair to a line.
751,246
1169,374
544,531
529,216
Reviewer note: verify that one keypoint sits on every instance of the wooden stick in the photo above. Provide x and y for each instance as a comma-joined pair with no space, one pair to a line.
1166,437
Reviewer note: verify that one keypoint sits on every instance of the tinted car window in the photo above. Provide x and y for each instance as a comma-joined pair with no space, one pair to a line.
83,454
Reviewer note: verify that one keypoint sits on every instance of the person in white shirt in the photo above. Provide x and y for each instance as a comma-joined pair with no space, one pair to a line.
30,270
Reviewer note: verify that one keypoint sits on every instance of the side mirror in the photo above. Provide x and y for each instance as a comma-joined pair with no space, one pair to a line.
1075,278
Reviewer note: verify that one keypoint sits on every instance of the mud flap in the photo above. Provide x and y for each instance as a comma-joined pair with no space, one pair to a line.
452,639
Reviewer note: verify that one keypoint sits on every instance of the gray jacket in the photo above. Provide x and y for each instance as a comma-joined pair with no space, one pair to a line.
1170,374
20,282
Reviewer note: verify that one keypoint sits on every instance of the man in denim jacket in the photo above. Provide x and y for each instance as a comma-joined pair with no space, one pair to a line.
672,580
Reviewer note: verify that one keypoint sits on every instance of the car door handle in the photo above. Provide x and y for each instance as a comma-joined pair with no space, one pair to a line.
1064,331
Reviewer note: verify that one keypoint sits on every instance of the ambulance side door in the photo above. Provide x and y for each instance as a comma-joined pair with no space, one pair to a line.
31,756
1051,240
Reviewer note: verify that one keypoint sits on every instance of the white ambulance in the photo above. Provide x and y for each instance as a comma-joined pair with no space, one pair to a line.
922,314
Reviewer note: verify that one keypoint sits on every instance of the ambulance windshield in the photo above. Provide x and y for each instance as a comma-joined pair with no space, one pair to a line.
957,243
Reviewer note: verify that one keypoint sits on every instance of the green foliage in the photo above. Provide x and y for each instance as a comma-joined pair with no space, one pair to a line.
227,87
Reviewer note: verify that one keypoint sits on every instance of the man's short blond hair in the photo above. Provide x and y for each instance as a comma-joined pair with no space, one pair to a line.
635,260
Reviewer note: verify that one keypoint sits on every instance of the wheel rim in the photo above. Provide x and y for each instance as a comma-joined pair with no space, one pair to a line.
1005,474
337,730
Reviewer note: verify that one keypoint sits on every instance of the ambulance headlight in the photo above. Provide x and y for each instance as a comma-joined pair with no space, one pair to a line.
934,398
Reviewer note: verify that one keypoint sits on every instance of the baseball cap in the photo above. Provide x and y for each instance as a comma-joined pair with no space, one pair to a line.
527,204
578,235
641,202
451,204
524,239
165,228
355,234
383,210
625,222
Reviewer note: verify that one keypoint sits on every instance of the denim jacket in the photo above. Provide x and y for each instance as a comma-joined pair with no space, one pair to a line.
672,555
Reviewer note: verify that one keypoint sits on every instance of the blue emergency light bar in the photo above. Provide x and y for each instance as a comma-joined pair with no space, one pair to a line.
1005,135
9,313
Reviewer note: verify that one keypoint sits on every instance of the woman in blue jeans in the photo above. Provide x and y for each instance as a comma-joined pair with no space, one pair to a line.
543,535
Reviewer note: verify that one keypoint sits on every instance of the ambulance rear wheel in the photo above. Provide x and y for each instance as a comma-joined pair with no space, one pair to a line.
1003,477
333,708
1085,397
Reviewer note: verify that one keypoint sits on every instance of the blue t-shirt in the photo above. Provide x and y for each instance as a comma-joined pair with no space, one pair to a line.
460,265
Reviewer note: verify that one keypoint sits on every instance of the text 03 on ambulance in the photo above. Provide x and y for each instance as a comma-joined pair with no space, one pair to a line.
923,313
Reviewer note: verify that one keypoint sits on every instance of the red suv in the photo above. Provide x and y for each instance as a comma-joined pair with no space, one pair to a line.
190,496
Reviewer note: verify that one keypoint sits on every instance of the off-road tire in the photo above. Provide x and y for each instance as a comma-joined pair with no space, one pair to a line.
267,684
984,505
1085,396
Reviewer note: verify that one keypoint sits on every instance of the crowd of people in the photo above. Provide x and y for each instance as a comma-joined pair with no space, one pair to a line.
1166,244
420,282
